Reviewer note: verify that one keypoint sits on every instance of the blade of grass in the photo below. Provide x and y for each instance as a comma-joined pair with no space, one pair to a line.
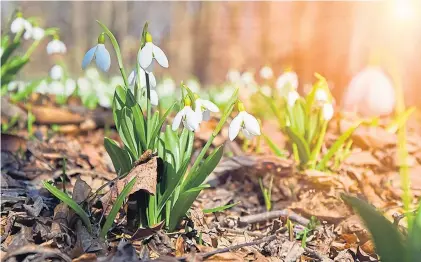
220,208
70,202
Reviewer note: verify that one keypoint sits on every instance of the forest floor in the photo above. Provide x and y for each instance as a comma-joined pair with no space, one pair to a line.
35,226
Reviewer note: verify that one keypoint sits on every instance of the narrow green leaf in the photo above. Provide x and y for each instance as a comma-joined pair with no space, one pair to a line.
70,202
302,146
220,208
120,158
415,235
116,207
8,51
336,146
26,92
388,240
275,149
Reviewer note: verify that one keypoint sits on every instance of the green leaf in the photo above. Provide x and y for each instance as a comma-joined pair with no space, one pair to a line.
336,146
415,235
158,127
13,67
183,204
388,240
116,207
126,131
29,89
120,158
275,149
8,51
302,146
196,178
70,202
220,208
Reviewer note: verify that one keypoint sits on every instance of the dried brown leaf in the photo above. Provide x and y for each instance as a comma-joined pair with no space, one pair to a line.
81,191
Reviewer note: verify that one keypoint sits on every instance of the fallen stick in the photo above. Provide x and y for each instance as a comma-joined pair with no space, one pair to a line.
251,219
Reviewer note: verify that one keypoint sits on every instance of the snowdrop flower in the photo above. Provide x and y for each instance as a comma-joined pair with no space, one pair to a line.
204,107
247,78
245,122
56,47
292,98
190,118
233,76
223,96
194,85
56,72
16,85
150,51
167,87
92,73
69,87
42,88
56,88
105,99
37,33
321,95
84,85
266,90
327,111
100,54
20,24
132,79
287,79
266,72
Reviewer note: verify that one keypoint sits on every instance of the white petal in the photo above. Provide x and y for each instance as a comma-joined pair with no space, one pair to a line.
160,56
177,119
292,98
27,34
145,55
132,78
154,98
17,25
266,72
321,95
70,87
327,111
251,124
63,48
38,33
88,56
210,106
247,134
56,72
192,119
152,80
102,57
235,126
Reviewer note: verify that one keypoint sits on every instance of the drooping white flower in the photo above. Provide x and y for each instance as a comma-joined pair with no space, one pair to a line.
20,24
292,98
266,90
69,87
266,72
36,33
100,54
190,118
327,111
166,88
321,95
204,107
56,88
370,93
247,78
224,95
233,76
16,86
245,122
92,73
132,79
149,52
42,88
56,47
56,72
287,79
194,85
84,86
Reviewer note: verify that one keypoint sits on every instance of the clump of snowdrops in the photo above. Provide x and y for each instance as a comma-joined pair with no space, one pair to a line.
142,127
305,119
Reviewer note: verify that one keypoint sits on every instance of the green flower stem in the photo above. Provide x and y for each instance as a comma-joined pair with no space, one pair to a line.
318,147
214,134
148,106
117,51
31,49
18,36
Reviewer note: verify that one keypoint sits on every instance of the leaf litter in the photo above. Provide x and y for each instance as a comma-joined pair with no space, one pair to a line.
35,226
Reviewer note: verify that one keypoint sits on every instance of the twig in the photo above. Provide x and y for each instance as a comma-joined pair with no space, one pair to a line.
242,232
227,249
251,219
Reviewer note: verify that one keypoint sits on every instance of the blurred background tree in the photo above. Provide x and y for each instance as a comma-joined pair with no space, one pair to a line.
206,39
